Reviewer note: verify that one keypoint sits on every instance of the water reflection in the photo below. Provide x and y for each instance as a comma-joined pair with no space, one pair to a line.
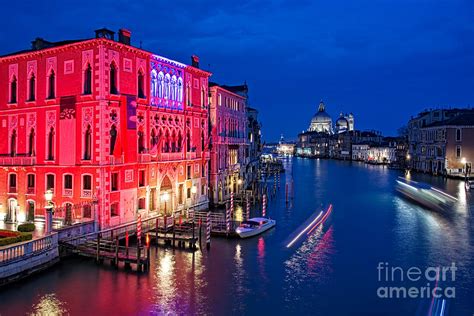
49,304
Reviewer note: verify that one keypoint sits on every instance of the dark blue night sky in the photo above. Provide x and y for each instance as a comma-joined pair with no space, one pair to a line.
383,60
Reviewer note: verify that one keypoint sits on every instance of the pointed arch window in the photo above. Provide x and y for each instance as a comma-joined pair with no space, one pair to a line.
203,97
141,144
188,141
88,143
180,90
50,148
88,80
32,88
31,143
153,140
188,94
113,78
167,86
141,85
13,144
13,90
154,84
161,87
113,138
51,85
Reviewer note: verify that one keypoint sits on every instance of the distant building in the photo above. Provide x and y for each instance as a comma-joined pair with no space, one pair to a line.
229,149
321,121
442,141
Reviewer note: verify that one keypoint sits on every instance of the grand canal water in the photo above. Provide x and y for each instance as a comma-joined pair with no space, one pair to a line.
334,272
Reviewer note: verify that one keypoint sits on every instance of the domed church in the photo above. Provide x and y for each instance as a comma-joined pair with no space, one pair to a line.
321,121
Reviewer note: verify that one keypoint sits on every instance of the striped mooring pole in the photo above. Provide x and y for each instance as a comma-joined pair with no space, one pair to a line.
247,213
139,229
208,230
264,206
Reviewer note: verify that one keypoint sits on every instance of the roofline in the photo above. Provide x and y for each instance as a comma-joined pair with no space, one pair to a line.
230,92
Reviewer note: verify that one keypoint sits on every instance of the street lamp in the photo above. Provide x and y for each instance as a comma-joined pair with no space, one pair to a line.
165,197
463,161
48,196
193,193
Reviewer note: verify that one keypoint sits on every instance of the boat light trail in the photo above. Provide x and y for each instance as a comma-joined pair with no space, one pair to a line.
328,212
303,231
444,193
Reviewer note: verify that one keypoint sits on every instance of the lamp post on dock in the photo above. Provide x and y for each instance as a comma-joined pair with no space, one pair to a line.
48,196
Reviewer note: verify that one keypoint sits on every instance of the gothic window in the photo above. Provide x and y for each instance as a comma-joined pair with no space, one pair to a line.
50,144
161,87
154,84
203,97
180,142
13,90
88,143
141,83
153,140
188,141
141,146
188,95
31,88
31,143
13,144
51,85
173,142
202,141
180,90
167,86
174,88
88,79
113,78
166,144
113,138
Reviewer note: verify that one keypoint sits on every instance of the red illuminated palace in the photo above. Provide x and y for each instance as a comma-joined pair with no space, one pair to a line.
99,119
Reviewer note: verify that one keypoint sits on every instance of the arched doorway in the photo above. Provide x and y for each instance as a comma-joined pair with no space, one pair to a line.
12,207
68,217
30,210
166,200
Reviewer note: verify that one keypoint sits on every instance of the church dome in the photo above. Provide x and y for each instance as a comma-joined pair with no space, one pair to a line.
321,121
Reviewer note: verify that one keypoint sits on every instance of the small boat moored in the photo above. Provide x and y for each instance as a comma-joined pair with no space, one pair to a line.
254,226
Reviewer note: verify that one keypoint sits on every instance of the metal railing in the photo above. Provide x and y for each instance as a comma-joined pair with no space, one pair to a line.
17,161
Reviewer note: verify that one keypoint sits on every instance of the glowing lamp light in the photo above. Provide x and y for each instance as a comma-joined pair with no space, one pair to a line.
463,160
239,182
166,196
408,157
48,195
193,189
147,240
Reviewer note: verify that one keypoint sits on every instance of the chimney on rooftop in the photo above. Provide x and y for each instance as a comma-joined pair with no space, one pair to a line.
124,36
195,61
40,43
104,33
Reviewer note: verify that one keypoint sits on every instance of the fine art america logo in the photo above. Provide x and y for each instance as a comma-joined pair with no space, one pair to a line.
430,282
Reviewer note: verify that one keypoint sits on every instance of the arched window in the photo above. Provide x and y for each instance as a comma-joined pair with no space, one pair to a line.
32,88
153,140
13,144
51,144
141,146
180,89
174,88
154,84
31,143
188,95
173,142
202,141
161,87
166,145
88,143
203,97
188,141
113,78
167,86
113,138
88,79
51,85
13,90
141,83
180,142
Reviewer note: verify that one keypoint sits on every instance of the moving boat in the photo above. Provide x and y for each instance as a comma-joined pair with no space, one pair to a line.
254,226
426,195
469,185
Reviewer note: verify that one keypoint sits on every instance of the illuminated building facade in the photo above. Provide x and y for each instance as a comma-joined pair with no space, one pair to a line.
229,152
101,120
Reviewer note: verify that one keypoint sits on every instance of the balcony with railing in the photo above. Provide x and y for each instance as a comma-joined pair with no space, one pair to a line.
170,156
30,190
87,193
67,192
18,160
12,189
115,160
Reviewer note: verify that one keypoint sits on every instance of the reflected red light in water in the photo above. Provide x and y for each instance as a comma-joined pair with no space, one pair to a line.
261,247
322,220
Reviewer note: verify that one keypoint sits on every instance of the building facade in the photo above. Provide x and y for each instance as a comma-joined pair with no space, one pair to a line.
229,150
100,120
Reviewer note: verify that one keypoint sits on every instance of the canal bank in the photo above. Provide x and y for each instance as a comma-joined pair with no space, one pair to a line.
329,273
